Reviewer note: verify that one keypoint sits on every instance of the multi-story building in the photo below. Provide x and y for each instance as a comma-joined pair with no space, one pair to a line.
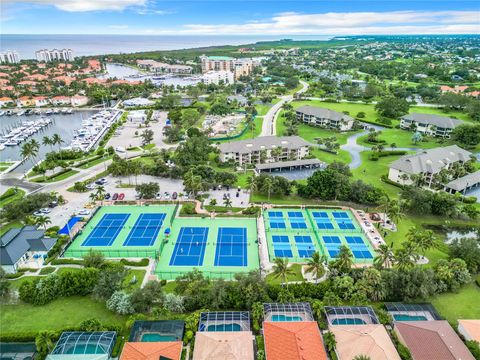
239,67
427,163
9,57
218,77
162,68
429,124
54,55
324,118
264,150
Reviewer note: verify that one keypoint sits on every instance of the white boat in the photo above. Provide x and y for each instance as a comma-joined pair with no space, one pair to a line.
20,113
2,113
11,142
2,147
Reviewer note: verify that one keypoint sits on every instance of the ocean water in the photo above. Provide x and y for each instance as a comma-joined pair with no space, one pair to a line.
84,45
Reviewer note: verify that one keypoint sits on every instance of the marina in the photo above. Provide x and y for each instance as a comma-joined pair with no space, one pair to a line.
25,130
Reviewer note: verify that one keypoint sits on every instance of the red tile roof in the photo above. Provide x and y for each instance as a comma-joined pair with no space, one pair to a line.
151,350
293,341
432,340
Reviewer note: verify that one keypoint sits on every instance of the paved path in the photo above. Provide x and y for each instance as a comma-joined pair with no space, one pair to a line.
270,118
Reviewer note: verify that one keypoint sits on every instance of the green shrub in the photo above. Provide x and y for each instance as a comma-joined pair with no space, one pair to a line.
143,262
66,262
14,276
47,270
188,209
470,199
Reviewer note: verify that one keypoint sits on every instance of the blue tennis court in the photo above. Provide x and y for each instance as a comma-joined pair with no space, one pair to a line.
231,249
190,247
354,240
340,215
145,230
277,224
107,230
305,246
324,224
296,220
281,246
275,214
345,224
332,243
319,214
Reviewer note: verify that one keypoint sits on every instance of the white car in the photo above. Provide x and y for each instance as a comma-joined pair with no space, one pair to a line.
120,149
158,196
90,187
84,212
45,211
38,213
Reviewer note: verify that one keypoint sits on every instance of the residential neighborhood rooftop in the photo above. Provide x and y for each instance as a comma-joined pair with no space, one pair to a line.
263,143
323,113
231,345
432,119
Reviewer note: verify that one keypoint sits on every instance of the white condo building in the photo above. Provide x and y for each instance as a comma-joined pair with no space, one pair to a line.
9,57
239,67
54,55
217,77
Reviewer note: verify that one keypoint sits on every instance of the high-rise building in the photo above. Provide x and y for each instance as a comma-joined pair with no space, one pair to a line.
239,67
54,55
9,57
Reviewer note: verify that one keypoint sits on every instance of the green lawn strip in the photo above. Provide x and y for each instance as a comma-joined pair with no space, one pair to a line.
11,195
57,315
222,209
59,177
139,275
461,305
94,162
262,109
148,147
296,276
170,287
403,139
10,225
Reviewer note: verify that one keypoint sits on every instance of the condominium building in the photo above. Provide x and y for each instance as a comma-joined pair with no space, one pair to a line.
427,163
239,67
263,150
162,68
429,124
9,57
218,77
324,118
46,55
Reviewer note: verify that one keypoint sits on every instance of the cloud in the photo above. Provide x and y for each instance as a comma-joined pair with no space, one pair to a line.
351,23
118,26
146,11
89,5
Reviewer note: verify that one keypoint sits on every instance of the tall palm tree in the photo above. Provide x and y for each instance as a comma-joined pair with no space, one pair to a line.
57,140
93,197
100,193
385,257
404,258
268,186
44,341
43,221
281,269
227,202
47,141
315,265
426,241
344,260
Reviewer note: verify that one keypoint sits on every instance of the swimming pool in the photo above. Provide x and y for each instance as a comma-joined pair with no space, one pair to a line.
156,337
406,317
348,321
224,327
286,318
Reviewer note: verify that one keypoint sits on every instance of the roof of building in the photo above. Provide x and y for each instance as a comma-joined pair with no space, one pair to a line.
16,242
293,341
371,340
465,181
432,119
323,113
431,160
301,162
443,342
171,350
471,327
263,143
217,58
231,345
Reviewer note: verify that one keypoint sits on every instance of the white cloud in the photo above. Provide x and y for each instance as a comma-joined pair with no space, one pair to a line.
395,22
89,5
118,26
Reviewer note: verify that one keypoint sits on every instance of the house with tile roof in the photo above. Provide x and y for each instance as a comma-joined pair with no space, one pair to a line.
371,340
426,163
232,345
169,350
25,247
430,124
470,329
431,340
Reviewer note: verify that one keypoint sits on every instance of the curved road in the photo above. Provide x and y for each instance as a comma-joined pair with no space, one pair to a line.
270,118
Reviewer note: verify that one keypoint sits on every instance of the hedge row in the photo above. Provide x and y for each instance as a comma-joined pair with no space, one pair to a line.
378,154
88,160
66,262
126,262
385,179
375,123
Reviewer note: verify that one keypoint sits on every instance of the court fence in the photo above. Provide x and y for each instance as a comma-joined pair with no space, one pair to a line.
111,253
172,275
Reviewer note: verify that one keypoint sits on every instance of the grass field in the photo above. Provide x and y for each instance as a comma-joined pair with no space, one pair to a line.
94,162
10,225
295,276
56,178
403,139
11,195
461,305
57,315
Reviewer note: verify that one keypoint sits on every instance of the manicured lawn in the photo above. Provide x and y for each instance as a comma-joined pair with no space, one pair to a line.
60,177
94,162
11,195
352,108
461,305
57,315
139,275
403,139
10,225
170,287
262,109
249,134
296,276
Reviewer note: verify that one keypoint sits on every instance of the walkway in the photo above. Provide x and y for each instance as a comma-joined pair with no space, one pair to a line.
269,120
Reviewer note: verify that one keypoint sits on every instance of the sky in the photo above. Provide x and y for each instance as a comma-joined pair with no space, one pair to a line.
240,17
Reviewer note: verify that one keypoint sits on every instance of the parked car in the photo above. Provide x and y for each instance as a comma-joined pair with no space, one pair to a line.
84,212
115,196
174,196
121,196
38,213
107,196
101,181
137,197
53,204
166,195
45,211
90,186
158,196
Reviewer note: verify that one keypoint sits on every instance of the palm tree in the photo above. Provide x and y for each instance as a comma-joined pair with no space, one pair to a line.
227,202
44,341
276,153
47,141
281,269
93,197
43,221
267,186
252,184
330,341
315,265
385,256
344,260
100,193
426,241
57,140
404,258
